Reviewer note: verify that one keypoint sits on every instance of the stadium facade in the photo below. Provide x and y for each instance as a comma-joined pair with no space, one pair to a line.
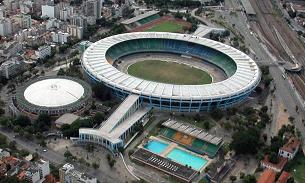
243,75
51,95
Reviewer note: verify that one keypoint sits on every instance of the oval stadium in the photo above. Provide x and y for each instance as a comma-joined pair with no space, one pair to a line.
51,95
233,74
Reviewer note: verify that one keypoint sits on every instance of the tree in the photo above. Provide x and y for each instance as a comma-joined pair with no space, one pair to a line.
68,154
98,118
245,142
206,125
12,179
95,165
178,15
3,141
5,122
249,179
2,111
216,114
111,163
291,180
22,121
12,145
101,92
11,86
43,122
89,147
61,72
233,178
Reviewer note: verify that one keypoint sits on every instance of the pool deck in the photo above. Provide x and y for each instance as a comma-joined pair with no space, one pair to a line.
163,164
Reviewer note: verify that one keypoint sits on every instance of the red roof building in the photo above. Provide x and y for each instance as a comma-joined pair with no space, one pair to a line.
265,163
268,176
283,177
3,168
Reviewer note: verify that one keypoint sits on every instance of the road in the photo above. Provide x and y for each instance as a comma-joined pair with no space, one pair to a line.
58,159
284,88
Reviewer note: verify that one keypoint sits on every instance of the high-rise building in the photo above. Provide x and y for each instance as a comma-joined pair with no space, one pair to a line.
75,31
93,8
79,21
60,37
25,21
26,6
2,12
48,11
5,27
66,13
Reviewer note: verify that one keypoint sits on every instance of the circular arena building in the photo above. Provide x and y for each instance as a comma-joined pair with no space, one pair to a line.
52,95
100,62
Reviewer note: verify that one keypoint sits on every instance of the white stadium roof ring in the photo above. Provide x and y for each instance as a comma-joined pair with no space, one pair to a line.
243,73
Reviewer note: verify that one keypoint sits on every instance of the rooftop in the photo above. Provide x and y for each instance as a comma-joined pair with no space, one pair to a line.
283,177
292,145
165,165
280,165
53,92
192,131
246,77
67,118
139,17
268,176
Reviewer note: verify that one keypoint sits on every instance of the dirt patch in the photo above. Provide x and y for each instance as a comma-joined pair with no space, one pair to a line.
282,117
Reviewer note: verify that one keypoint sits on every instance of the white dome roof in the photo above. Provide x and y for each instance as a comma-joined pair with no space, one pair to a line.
53,92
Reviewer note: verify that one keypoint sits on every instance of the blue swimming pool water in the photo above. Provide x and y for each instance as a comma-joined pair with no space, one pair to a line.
155,146
186,158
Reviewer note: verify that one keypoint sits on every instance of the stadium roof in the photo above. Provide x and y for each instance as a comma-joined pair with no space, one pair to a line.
245,78
53,92
139,17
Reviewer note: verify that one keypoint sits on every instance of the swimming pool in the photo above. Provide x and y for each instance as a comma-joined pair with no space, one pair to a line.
186,158
155,146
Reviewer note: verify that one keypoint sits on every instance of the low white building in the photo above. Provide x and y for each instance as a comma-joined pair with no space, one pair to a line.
32,175
10,49
68,174
38,171
11,68
43,51
44,168
290,149
4,153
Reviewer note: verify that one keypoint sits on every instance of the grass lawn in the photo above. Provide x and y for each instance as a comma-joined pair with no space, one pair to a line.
299,166
169,72
166,27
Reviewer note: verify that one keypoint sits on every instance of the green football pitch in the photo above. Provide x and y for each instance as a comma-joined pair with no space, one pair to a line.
166,27
169,72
